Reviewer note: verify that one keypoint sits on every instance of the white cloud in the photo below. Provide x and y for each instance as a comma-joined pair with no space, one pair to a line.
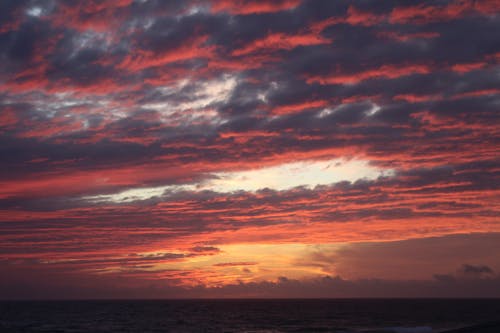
34,11
373,110
279,177
200,104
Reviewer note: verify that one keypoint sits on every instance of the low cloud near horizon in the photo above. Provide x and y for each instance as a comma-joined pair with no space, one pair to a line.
395,276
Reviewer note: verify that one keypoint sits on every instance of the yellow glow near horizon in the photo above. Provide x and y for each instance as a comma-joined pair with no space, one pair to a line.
249,263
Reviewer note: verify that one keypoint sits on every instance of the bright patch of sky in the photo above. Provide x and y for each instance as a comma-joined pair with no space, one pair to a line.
34,11
373,109
90,40
280,177
199,104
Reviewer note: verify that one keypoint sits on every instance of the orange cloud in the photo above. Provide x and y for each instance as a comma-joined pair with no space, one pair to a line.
246,7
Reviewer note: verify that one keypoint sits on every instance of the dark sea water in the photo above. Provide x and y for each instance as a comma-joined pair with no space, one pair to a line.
345,315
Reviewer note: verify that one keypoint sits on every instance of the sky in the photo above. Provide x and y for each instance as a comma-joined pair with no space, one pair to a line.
249,148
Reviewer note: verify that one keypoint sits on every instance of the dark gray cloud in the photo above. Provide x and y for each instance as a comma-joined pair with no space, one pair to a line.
476,270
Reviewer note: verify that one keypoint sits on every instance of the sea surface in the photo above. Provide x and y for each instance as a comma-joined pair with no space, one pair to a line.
339,315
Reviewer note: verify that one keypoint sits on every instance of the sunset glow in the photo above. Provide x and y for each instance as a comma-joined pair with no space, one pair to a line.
249,148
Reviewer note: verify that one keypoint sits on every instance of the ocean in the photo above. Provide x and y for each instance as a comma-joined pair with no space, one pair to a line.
250,315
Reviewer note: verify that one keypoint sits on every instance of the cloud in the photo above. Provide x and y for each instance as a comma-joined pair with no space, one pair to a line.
205,249
479,270
327,286
183,129
410,259
304,173
253,7
229,264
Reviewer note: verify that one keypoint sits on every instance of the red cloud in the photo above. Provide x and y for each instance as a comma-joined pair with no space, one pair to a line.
291,108
384,71
280,41
421,14
245,7
190,49
359,17
92,15
404,37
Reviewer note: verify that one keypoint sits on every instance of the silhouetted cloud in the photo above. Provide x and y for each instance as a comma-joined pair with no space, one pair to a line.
476,270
